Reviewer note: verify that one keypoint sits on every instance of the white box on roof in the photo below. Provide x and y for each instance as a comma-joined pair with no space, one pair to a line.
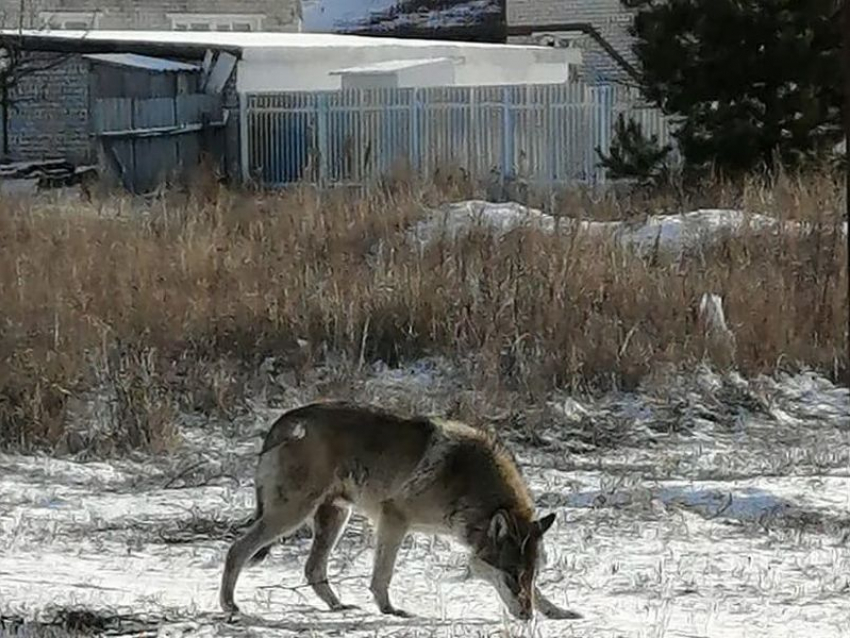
399,74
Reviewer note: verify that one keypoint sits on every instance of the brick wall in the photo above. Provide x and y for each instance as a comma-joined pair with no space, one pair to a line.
49,116
49,112
281,15
609,17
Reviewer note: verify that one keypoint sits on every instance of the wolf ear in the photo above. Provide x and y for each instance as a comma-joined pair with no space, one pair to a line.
498,527
542,526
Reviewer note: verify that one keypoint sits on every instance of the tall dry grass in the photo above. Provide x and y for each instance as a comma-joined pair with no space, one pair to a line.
161,309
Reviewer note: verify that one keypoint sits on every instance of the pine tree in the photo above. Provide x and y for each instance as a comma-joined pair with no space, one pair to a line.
753,80
633,155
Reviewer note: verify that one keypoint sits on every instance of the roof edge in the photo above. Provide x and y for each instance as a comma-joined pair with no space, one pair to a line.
61,44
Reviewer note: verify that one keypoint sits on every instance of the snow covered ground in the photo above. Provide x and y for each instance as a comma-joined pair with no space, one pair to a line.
669,233
346,15
333,15
716,506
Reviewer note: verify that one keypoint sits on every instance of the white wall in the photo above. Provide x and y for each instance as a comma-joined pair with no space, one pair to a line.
441,73
307,68
304,61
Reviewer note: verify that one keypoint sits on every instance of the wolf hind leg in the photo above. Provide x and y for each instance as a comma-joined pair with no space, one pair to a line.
328,524
280,518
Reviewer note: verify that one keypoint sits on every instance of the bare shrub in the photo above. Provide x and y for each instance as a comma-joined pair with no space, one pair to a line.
34,391
141,412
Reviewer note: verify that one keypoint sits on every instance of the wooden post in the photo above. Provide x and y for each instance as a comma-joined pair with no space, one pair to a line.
846,29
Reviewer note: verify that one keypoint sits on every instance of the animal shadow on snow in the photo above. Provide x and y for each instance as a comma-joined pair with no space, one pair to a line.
315,619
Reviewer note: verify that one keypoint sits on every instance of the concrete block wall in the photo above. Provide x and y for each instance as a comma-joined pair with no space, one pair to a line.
280,15
48,117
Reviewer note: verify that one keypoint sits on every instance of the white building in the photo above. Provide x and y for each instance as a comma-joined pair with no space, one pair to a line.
306,61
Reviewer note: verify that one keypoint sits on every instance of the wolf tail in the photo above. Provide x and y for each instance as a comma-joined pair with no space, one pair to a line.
258,514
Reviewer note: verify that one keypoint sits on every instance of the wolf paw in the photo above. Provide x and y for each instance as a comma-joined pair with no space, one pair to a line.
342,607
232,613
398,613
556,613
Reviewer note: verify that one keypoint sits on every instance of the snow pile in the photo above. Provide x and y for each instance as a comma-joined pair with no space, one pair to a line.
689,230
674,233
457,220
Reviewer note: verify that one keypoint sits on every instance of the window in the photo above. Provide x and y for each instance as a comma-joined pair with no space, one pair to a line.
215,22
68,20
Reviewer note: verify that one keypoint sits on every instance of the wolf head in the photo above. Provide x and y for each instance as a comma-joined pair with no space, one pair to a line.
509,557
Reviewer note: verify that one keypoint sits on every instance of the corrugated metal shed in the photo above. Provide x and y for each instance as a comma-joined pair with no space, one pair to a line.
131,75
144,62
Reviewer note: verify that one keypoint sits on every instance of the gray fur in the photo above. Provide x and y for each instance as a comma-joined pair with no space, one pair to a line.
321,461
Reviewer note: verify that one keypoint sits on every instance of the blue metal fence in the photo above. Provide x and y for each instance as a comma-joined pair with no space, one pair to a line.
545,134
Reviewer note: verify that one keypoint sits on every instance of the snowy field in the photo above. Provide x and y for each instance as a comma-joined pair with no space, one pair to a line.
696,506
706,506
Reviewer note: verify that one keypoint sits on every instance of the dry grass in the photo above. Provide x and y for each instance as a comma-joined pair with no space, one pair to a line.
166,309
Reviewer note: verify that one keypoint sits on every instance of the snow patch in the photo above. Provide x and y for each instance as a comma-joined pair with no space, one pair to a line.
673,233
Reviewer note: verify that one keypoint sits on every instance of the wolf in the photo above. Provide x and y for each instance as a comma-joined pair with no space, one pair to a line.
405,474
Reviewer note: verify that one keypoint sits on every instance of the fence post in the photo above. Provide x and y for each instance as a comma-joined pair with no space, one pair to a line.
592,169
605,109
591,110
553,143
322,133
415,140
4,121
244,131
508,152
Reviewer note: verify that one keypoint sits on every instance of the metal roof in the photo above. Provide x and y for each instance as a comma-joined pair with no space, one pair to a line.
156,65
252,39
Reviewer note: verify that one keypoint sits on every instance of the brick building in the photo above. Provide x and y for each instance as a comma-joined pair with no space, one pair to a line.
608,17
180,15
47,110
50,101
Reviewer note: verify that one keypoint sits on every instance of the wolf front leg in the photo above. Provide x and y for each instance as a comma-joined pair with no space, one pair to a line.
392,529
550,609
